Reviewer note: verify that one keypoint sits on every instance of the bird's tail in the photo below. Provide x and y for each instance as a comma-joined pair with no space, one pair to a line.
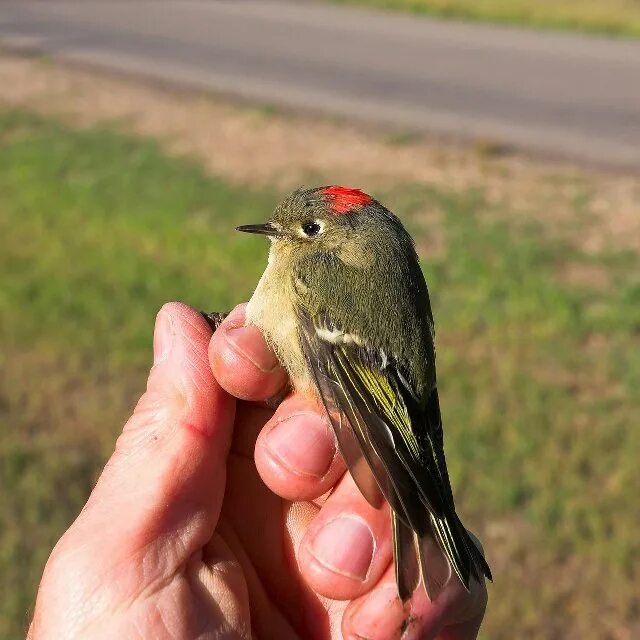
445,548
406,556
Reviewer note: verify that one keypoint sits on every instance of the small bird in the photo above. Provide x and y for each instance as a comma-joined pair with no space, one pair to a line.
344,305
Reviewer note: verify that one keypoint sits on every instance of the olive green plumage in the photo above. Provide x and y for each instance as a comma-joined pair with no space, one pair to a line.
344,304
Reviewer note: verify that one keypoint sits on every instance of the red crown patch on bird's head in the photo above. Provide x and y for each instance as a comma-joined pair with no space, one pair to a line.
344,199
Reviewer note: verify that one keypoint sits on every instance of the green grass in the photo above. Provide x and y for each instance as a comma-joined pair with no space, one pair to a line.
97,231
539,377
617,17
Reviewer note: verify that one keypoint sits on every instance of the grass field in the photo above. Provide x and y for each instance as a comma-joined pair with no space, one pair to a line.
537,342
616,17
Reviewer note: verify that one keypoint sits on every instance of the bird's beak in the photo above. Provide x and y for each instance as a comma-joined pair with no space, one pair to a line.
266,229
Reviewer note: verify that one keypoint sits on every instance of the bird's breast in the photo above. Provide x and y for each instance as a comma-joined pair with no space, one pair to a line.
272,309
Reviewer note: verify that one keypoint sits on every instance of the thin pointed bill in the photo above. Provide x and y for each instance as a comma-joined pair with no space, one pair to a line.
266,229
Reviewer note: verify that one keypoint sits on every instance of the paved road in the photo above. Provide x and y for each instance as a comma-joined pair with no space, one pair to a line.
563,95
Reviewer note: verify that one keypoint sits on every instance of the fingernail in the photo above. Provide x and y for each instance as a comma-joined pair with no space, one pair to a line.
381,616
303,444
250,343
162,337
345,546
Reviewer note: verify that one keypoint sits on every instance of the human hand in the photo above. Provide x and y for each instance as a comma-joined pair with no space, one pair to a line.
186,536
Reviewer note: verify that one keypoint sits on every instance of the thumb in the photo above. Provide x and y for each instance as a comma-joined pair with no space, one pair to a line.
161,492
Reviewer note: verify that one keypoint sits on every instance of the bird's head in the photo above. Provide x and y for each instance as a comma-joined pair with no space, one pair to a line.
321,219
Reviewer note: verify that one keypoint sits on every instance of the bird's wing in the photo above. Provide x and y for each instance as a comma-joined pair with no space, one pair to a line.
385,429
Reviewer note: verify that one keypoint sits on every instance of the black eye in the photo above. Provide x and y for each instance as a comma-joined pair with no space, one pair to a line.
311,228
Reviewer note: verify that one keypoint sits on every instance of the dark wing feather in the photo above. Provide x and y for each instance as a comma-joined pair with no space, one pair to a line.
406,557
378,407
336,405
434,423
384,431
386,409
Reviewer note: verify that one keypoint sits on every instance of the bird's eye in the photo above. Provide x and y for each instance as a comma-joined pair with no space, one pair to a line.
311,228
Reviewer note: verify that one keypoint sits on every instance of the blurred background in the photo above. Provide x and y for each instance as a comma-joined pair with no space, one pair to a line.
135,136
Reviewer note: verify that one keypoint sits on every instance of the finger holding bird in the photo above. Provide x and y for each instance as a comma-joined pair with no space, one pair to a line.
376,611
244,365
347,545
296,453
380,614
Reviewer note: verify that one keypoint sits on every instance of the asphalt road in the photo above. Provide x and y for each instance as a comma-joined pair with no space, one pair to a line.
557,94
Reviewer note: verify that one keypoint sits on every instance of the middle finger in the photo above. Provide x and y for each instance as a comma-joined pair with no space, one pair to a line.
296,452
347,546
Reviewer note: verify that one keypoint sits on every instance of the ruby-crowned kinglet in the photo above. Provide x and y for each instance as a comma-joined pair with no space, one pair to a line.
344,304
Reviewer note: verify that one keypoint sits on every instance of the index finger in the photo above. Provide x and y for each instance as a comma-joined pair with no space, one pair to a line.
242,362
